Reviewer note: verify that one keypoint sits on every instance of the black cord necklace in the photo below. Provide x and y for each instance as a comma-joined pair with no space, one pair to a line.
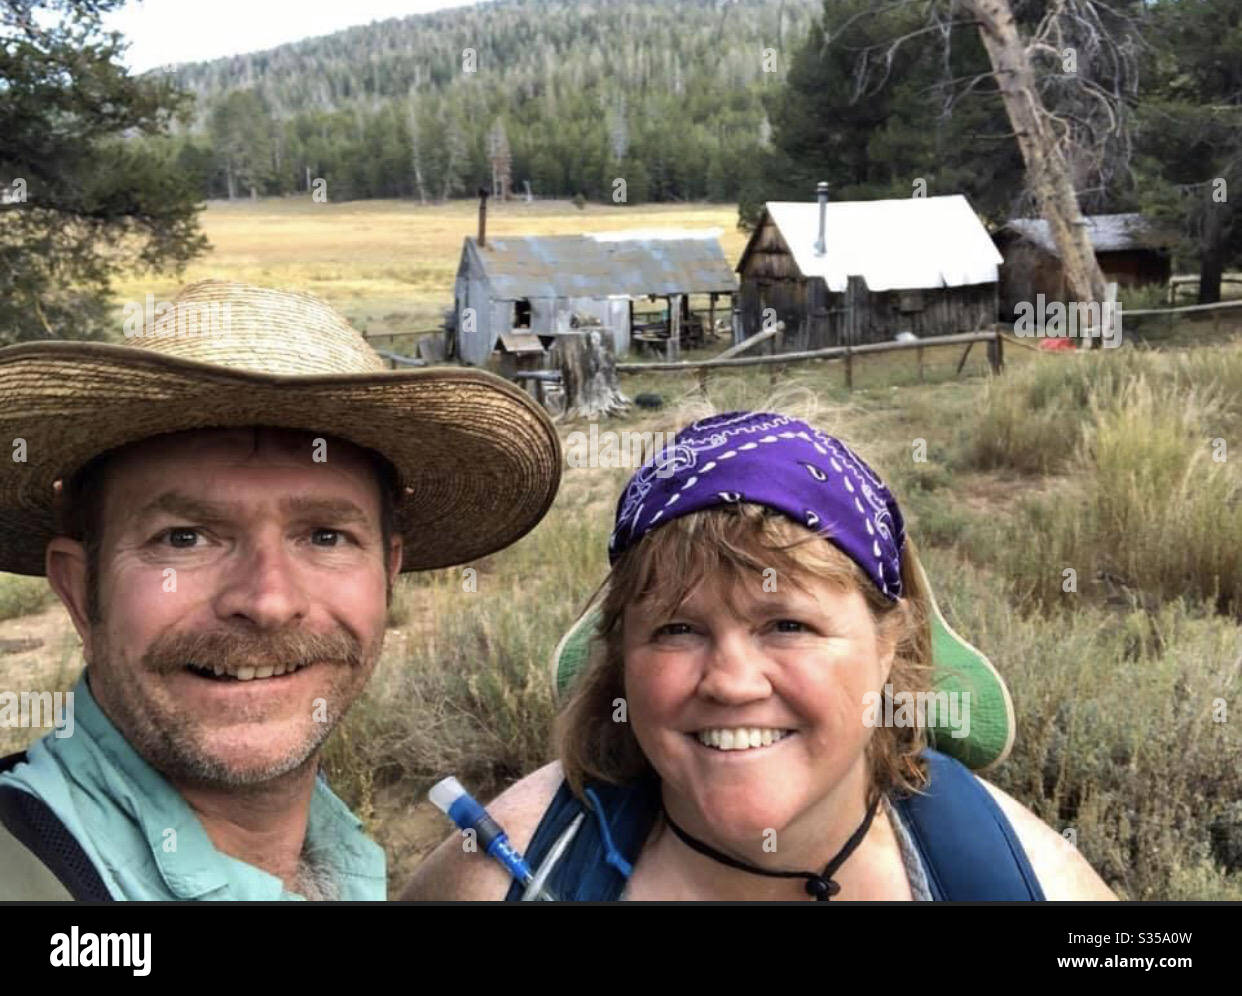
818,884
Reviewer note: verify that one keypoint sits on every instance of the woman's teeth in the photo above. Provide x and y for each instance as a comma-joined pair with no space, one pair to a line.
741,738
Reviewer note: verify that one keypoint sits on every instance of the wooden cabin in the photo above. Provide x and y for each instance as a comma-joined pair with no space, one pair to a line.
545,285
853,272
1130,250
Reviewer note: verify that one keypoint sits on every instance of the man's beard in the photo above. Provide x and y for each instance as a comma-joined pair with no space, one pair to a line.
166,736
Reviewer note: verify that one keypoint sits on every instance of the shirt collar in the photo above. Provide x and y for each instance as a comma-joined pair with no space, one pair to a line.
188,862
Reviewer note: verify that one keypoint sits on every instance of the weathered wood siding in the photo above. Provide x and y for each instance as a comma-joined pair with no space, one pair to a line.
770,279
929,312
816,318
475,345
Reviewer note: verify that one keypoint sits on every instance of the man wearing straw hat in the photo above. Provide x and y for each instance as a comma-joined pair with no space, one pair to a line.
223,505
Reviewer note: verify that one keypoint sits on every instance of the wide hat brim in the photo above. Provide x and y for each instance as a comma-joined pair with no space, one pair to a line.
479,461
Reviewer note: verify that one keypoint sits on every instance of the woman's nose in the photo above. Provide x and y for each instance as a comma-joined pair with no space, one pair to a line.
735,670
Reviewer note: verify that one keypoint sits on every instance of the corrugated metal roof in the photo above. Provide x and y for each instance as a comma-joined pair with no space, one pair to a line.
588,266
907,244
1109,232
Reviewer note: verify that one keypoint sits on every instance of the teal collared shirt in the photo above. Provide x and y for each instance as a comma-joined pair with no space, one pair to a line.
145,840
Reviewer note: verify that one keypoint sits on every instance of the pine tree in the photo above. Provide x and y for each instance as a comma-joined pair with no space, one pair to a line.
454,167
1190,138
88,188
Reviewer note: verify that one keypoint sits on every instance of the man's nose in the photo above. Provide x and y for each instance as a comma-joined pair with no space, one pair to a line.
735,669
263,584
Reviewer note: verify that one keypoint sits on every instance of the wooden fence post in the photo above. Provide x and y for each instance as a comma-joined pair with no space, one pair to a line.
778,343
962,362
855,305
673,351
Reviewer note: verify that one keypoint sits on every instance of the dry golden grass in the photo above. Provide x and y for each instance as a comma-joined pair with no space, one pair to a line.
389,265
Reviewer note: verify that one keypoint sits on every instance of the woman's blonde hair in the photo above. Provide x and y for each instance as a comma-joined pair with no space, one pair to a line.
731,543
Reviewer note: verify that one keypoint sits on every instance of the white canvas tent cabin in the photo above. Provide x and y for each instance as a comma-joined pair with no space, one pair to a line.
542,285
852,272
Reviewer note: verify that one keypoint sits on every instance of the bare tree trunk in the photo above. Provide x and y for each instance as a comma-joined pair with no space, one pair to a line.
1211,255
416,154
1048,174
589,373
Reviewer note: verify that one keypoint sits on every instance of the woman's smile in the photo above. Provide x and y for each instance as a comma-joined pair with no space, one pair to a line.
725,739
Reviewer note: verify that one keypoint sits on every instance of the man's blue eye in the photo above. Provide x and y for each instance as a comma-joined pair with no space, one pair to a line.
673,629
331,532
790,626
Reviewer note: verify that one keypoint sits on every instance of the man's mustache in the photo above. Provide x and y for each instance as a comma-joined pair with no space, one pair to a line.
294,647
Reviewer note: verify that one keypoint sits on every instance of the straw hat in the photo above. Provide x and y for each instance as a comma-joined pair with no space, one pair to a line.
479,462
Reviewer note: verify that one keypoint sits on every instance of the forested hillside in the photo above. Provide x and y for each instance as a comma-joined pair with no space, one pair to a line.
666,95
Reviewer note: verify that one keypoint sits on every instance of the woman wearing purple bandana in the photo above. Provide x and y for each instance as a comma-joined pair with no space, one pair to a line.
723,742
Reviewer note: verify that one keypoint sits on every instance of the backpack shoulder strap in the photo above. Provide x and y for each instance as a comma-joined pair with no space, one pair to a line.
25,877
589,870
967,844
41,860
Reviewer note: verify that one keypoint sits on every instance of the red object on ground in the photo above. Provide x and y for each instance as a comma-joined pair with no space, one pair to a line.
1058,344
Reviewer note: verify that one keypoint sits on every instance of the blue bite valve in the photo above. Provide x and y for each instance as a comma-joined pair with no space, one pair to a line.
451,798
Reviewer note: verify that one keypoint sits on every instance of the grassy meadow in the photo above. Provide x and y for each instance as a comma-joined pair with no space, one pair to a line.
389,265
1127,682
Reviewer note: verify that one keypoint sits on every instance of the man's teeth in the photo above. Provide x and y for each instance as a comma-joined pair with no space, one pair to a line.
245,672
741,738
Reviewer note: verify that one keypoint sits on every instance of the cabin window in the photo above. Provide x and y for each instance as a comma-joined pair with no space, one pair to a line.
521,314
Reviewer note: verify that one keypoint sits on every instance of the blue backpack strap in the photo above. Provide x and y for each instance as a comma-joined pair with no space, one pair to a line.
968,847
45,840
967,844
595,866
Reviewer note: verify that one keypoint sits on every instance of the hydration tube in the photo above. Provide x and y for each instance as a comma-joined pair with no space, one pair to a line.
467,814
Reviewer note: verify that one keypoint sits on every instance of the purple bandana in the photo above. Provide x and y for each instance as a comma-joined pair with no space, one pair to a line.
779,462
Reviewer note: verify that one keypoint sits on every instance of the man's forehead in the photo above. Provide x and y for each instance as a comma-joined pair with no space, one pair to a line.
252,443
165,465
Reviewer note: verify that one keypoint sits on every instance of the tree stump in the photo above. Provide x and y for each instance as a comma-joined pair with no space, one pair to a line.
588,368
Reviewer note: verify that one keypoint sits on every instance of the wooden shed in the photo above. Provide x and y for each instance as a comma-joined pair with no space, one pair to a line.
1130,250
545,285
862,271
